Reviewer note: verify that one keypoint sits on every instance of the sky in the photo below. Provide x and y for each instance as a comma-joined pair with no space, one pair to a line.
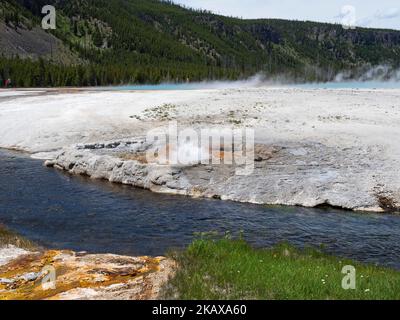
365,13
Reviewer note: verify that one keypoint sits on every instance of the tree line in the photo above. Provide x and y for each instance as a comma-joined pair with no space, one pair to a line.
41,73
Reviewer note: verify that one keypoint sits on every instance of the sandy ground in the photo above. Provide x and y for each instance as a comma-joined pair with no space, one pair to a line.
336,147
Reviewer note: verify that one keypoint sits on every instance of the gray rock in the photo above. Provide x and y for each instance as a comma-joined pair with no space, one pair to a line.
6,281
306,174
31,276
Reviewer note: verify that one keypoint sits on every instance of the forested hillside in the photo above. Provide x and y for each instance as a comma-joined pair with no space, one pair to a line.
104,42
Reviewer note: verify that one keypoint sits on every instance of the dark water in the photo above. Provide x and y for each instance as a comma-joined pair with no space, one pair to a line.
69,212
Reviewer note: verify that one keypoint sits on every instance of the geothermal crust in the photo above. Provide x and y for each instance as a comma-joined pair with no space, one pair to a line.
312,147
68,275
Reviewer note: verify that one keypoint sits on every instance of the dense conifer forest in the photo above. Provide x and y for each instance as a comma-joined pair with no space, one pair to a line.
112,42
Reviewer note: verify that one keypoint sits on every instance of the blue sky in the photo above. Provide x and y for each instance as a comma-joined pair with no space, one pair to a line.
368,13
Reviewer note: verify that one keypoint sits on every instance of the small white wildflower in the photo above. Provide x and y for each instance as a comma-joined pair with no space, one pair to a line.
367,290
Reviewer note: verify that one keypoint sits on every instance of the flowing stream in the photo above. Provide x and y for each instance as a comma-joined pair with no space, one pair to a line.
60,211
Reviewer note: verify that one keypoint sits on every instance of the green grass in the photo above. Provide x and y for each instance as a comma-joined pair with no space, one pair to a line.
8,237
231,269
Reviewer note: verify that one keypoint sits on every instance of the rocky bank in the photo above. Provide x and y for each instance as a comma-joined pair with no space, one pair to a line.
68,275
306,174
313,147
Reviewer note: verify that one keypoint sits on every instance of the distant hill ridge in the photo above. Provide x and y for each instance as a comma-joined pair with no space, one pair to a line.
102,42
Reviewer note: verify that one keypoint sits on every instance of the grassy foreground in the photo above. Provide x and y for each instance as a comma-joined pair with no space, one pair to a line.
231,269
